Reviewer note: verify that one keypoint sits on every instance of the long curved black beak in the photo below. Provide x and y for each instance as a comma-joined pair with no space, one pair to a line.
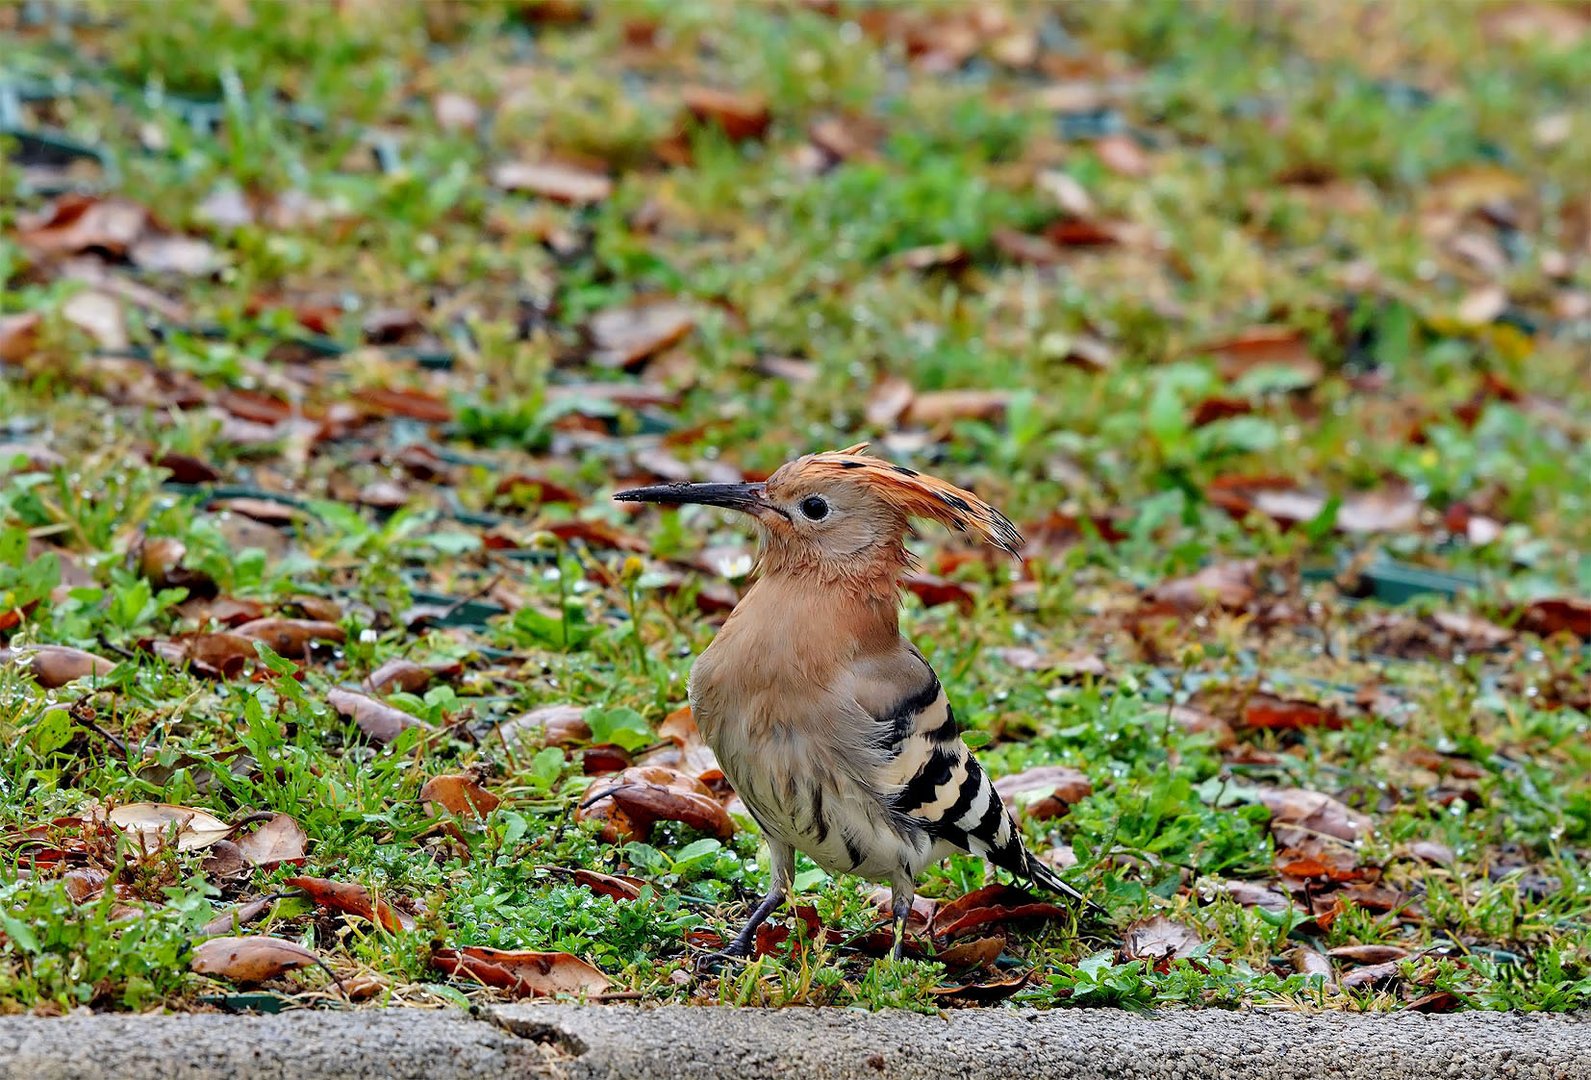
744,497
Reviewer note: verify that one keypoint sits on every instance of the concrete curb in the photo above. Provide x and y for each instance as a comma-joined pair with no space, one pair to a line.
564,1041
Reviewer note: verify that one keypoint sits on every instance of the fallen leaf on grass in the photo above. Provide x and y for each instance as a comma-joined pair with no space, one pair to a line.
19,336
617,886
1307,961
1368,954
1374,975
459,794
1558,615
532,974
154,822
53,666
738,115
224,860
1159,938
403,675
1313,811
219,655
100,316
626,336
290,637
933,590
645,794
1251,894
160,560
185,255
1047,791
352,900
232,918
278,840
398,401
1263,346
989,905
250,960
1229,585
549,725
1264,711
377,719
689,752
596,534
942,406
1434,1002
971,955
78,223
561,183
985,993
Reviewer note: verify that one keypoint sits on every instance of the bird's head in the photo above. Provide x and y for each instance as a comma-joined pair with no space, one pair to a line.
841,514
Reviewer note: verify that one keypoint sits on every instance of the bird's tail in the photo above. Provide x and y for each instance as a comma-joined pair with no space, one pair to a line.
1040,874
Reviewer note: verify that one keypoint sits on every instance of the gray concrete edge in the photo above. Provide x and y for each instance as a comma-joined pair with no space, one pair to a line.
565,1041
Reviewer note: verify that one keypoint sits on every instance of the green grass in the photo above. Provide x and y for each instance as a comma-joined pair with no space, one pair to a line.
1352,172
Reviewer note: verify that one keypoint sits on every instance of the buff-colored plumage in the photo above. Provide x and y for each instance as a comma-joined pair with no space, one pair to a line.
831,726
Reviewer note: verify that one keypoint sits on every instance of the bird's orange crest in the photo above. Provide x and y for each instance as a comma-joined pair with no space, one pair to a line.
916,494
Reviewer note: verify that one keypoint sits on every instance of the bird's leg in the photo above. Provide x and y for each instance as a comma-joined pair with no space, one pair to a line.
782,858
900,903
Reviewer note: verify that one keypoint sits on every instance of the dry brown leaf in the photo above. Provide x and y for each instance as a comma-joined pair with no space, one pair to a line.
352,900
184,255
1371,975
377,719
530,974
19,336
1558,615
290,637
942,406
971,955
567,184
77,223
989,905
645,794
1314,812
689,752
1122,155
1268,712
219,655
459,794
399,674
1228,585
619,887
1158,939
596,534
888,401
738,115
934,590
278,840
53,666
625,337
1307,961
250,960
230,919
1044,792
1264,346
153,823
398,401
549,725
1368,954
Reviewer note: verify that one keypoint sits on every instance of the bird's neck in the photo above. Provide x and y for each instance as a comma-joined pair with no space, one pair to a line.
858,613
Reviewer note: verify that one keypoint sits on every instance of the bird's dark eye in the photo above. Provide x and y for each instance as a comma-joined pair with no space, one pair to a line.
814,508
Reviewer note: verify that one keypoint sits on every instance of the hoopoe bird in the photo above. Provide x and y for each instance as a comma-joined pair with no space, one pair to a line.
828,722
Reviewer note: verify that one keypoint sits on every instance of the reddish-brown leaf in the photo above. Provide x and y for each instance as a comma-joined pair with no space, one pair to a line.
971,955
377,719
459,794
231,918
186,469
1044,792
399,401
19,336
689,752
567,184
1307,961
984,993
290,637
77,223
990,905
1558,615
399,674
1368,954
278,840
250,960
1373,975
1264,346
528,974
596,534
933,590
738,115
1265,711
1437,1001
1122,155
352,899
526,490
617,886
53,666
650,793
